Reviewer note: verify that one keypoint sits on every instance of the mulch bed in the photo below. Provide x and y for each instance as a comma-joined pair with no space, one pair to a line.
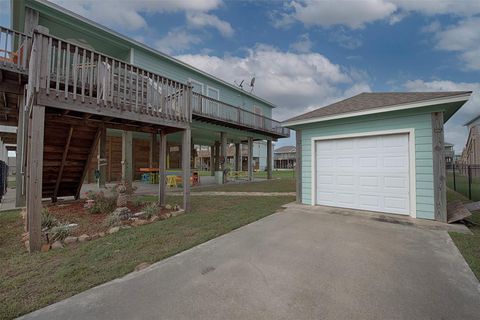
74,212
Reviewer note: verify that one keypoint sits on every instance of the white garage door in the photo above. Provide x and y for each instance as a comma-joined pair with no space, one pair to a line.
368,173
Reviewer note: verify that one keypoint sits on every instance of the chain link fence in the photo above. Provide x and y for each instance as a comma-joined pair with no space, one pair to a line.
464,179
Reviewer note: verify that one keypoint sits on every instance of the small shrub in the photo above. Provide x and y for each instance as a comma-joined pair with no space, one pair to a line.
60,232
102,204
150,210
48,220
112,220
137,202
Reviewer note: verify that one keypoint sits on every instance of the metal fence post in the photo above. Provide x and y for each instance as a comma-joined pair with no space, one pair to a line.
454,182
469,172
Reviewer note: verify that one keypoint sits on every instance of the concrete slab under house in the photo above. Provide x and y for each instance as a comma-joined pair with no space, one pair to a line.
377,152
83,98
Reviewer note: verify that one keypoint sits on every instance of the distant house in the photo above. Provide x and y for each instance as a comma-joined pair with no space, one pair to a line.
259,157
284,157
449,155
471,151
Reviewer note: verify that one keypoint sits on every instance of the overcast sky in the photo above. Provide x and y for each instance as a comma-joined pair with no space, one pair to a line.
307,54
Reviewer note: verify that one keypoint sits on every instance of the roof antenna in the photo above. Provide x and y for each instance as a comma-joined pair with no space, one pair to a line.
239,84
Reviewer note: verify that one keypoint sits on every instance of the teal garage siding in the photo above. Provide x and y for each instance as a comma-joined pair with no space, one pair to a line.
419,120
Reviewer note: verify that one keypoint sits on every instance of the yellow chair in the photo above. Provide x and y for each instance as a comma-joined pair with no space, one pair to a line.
171,181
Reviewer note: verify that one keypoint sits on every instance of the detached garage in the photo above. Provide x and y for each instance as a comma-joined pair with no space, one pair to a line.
378,152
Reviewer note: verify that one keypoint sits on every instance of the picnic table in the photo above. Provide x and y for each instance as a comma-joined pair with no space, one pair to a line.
173,179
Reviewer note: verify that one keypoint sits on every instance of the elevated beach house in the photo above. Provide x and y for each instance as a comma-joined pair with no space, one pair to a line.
85,97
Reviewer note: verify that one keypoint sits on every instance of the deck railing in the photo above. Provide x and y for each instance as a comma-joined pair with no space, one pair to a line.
64,69
214,109
14,49
68,71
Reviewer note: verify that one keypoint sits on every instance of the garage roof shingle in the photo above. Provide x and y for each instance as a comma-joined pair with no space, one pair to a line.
374,100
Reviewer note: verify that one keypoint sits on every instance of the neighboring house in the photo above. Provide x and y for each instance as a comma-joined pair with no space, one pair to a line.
471,152
377,152
259,157
284,157
449,155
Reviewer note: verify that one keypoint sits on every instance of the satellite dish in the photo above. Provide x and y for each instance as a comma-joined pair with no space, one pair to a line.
252,84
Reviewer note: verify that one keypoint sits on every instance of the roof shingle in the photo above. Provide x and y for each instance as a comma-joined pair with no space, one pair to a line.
374,100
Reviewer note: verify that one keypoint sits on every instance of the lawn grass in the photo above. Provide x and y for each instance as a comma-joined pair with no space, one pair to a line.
469,245
283,181
461,185
31,281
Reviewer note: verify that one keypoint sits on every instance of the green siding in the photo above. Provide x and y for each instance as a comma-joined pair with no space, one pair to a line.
86,34
419,120
160,65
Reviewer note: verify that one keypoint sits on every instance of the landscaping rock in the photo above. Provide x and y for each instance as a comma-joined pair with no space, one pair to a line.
101,234
45,247
142,266
126,227
83,238
139,215
113,230
89,204
140,222
123,213
177,213
57,245
164,215
154,218
70,239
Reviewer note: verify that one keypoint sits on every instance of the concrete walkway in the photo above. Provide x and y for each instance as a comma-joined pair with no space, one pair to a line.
224,193
302,263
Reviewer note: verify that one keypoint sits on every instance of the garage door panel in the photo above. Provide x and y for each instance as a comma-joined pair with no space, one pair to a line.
369,173
368,181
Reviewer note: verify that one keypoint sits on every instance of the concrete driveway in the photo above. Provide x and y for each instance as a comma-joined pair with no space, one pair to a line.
302,263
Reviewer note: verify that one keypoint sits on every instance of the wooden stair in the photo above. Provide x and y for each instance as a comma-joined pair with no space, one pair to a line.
68,150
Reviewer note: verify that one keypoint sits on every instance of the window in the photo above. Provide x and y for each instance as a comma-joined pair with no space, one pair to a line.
197,86
212,106
259,118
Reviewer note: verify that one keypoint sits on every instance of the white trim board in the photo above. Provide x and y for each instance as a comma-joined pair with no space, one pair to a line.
405,106
411,155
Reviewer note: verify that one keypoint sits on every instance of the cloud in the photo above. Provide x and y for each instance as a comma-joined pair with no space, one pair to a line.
127,14
463,38
455,132
199,19
176,41
303,44
356,14
296,82
344,39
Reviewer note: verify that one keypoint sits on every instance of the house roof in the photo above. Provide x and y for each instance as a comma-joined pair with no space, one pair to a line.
365,103
285,149
471,121
145,47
